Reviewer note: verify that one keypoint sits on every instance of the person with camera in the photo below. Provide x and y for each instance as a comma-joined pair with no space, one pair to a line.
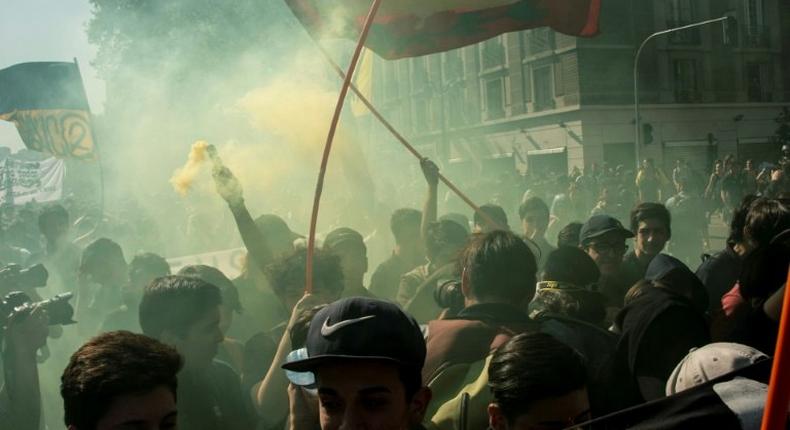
498,273
443,242
24,333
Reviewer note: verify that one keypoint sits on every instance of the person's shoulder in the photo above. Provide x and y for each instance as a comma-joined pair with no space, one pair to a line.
392,263
223,372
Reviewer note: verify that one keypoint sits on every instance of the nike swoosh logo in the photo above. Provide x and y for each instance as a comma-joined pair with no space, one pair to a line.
328,330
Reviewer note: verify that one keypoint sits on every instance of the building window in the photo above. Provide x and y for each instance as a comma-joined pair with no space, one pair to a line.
680,13
540,40
754,13
453,66
543,87
456,105
492,53
419,75
422,115
686,89
759,82
494,98
757,34
527,87
390,80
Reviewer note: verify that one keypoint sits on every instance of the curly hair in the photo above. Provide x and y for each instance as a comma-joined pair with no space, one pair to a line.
288,272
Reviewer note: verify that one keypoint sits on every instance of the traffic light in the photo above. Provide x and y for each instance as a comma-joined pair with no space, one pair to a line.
729,31
647,133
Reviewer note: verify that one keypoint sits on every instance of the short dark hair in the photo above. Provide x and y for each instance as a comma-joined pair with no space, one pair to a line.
738,222
99,252
572,265
533,204
175,303
496,213
569,235
289,271
214,276
499,265
650,210
531,367
766,219
147,265
110,365
403,222
52,212
442,234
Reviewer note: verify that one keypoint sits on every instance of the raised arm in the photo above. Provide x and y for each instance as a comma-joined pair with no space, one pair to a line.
431,173
270,395
21,393
229,188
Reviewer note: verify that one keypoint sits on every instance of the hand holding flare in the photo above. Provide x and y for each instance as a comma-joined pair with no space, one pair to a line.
228,186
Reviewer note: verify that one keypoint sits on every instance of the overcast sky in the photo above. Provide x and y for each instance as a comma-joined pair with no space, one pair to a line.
47,30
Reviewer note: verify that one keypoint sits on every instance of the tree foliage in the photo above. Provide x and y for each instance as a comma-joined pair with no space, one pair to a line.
185,48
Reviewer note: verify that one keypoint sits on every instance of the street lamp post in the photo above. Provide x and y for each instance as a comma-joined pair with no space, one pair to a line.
637,120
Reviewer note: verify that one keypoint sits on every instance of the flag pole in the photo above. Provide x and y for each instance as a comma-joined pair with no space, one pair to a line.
775,413
98,156
328,145
409,147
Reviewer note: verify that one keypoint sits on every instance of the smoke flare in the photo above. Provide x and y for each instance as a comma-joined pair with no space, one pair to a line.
184,177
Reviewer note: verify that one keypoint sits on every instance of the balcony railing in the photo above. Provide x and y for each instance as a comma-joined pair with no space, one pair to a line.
684,95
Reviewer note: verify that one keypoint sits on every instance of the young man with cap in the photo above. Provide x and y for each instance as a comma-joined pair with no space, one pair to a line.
367,357
603,238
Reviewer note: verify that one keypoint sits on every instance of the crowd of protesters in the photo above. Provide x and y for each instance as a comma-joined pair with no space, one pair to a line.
593,296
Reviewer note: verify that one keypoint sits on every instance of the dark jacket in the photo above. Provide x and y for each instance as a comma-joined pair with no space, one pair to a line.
658,329
471,335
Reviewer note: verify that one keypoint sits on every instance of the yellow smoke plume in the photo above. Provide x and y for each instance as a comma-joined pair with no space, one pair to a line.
184,177
297,111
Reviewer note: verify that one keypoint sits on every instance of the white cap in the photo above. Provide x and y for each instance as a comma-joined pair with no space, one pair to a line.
709,362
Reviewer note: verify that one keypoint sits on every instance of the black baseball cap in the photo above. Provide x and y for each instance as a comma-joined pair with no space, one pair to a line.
360,328
599,225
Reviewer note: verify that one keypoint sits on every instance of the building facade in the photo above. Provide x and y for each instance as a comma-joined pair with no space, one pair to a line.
539,100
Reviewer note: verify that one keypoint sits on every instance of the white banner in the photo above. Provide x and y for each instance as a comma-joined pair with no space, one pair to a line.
25,181
228,262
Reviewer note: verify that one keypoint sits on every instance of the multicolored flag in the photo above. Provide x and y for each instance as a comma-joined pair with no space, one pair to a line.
409,28
46,101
